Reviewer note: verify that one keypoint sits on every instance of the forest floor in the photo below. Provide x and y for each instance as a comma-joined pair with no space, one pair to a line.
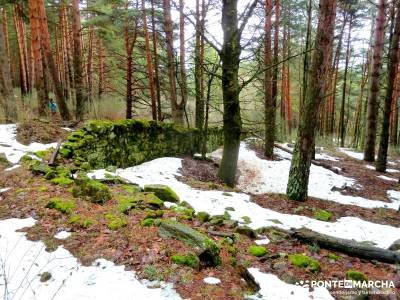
46,253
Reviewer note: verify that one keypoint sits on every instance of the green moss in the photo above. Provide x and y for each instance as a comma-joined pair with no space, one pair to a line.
43,188
63,181
150,200
115,222
125,204
190,260
246,220
154,214
163,192
303,261
333,256
202,216
147,222
257,251
189,212
65,206
356,275
131,188
91,190
322,215
81,222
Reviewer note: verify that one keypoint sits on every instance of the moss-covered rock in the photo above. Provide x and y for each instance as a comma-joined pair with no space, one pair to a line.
356,275
203,246
257,251
322,215
4,163
91,190
203,216
333,256
163,192
147,222
65,206
126,203
190,260
245,230
303,261
154,214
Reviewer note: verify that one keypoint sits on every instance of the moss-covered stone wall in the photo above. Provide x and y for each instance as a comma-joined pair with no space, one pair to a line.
130,142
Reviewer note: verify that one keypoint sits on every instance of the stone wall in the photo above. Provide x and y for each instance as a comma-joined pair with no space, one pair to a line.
130,142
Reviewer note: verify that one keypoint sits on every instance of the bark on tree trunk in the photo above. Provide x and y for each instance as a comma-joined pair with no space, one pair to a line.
269,100
177,112
156,64
45,43
6,89
392,69
297,187
342,127
372,113
34,18
77,60
149,65
199,111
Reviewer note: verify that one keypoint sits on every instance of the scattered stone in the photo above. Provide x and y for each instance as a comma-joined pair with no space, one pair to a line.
45,276
245,230
163,192
62,235
395,246
203,217
91,190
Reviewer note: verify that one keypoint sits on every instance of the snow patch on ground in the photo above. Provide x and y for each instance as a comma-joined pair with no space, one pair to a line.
212,280
164,171
392,171
274,288
62,235
263,241
3,190
351,153
260,176
12,168
23,261
325,156
14,150
387,178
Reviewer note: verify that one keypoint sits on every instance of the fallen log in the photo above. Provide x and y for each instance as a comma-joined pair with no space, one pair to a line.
313,161
205,248
55,153
350,247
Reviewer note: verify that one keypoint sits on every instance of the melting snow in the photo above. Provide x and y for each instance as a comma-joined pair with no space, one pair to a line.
14,150
164,170
263,241
23,261
212,280
387,178
259,176
12,168
274,288
351,153
62,235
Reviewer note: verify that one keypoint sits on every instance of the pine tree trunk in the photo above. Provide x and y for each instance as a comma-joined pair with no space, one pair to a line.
392,69
6,89
276,51
156,64
6,37
269,100
177,112
395,115
77,60
182,59
297,187
45,44
149,65
34,17
100,67
198,60
89,67
342,127
372,113
23,65
230,56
